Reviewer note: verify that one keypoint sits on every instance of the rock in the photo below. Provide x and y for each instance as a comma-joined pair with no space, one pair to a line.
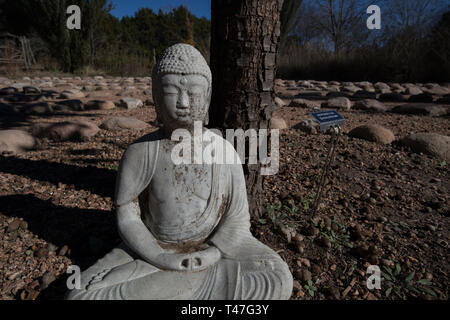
279,102
427,109
47,279
326,243
149,102
13,226
391,97
351,89
118,123
8,91
439,91
381,86
372,132
371,105
16,141
37,108
316,269
31,90
303,275
100,105
130,103
67,130
312,231
63,251
413,91
334,293
71,105
278,123
303,103
41,253
308,126
338,103
71,94
429,143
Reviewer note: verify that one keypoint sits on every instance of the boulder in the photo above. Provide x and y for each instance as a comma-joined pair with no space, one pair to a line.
71,94
130,103
67,130
427,109
351,89
381,86
99,105
279,102
37,108
439,91
429,143
338,103
71,105
31,90
412,90
373,132
16,141
117,123
371,105
303,103
308,126
8,91
278,123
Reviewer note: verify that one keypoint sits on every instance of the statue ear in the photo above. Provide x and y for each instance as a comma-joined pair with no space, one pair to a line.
206,120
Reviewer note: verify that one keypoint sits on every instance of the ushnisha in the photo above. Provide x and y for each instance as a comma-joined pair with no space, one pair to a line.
186,227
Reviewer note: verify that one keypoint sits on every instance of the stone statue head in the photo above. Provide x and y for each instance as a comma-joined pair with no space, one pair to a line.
181,87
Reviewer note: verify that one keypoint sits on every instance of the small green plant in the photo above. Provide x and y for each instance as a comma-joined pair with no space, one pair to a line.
443,164
396,226
399,284
113,167
338,238
310,288
280,215
307,203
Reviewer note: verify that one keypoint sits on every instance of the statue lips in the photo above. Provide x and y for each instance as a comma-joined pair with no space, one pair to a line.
182,114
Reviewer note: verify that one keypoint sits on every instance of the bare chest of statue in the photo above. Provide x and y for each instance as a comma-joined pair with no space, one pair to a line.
174,206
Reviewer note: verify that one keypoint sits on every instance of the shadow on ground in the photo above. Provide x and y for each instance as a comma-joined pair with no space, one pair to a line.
96,180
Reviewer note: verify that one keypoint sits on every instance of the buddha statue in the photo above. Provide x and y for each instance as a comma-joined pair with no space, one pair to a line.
185,227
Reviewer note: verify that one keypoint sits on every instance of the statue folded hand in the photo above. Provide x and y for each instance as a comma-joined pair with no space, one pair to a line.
196,261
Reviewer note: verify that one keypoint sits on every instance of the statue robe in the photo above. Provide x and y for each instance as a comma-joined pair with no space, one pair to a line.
248,269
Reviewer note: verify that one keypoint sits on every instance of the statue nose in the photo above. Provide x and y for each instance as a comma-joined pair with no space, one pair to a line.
183,102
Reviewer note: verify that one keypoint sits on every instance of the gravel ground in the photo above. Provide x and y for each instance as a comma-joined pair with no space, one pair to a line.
382,205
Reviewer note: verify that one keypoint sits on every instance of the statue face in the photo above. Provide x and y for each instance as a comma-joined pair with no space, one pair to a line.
183,99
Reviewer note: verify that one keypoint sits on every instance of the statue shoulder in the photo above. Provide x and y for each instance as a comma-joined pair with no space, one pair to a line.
137,167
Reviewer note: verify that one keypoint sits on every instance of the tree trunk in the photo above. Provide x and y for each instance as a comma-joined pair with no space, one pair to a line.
244,43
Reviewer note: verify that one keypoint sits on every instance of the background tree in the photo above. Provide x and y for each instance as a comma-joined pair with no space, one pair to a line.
287,17
244,44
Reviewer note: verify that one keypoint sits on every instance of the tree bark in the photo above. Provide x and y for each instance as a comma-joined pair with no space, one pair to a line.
244,43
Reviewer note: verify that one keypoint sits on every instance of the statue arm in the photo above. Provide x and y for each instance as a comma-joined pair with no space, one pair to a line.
140,240
136,235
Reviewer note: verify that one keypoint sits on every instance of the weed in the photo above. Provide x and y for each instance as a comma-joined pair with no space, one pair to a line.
398,284
310,288
338,238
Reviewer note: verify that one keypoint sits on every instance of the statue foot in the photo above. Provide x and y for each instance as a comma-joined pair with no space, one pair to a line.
110,277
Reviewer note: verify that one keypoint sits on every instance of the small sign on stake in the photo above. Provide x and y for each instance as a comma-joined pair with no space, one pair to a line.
327,120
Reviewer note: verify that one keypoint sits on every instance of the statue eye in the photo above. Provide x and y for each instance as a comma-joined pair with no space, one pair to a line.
170,92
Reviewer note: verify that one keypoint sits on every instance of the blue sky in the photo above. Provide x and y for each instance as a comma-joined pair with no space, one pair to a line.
200,8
